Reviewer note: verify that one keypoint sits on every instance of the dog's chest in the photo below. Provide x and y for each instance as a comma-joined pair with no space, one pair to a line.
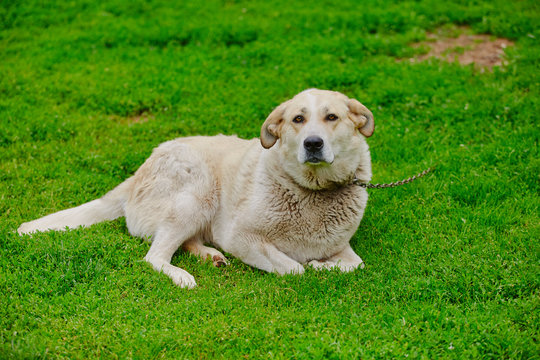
310,225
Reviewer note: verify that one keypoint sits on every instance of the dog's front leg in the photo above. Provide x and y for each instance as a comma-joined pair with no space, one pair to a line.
266,256
346,260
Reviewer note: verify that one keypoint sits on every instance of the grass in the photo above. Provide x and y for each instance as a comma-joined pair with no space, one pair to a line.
87,89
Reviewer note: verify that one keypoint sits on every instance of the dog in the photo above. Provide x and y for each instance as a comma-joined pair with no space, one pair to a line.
277,203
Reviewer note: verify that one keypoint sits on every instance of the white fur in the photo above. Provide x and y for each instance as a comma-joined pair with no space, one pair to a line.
267,207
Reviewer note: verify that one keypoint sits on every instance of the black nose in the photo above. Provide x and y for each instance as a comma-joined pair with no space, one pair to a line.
313,143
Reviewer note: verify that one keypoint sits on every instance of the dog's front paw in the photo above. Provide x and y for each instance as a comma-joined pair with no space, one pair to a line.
341,265
319,265
350,267
296,269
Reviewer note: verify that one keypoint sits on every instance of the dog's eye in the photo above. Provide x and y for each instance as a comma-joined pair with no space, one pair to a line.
331,117
298,119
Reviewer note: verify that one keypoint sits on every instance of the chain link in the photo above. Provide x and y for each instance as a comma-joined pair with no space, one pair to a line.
394,184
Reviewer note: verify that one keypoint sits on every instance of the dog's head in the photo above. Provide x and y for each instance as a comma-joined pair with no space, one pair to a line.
320,138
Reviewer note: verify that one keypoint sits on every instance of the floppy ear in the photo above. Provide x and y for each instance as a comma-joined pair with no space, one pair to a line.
270,129
361,117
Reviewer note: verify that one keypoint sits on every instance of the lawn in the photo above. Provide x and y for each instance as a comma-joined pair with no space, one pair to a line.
88,89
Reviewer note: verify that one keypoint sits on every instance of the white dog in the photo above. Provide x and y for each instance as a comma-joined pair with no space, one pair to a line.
276,204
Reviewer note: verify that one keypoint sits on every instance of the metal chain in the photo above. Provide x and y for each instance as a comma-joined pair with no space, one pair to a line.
390,185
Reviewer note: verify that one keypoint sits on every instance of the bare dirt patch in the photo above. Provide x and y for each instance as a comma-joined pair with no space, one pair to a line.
141,118
461,45
133,119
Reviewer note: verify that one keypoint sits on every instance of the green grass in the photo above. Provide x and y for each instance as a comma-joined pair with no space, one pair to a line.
452,260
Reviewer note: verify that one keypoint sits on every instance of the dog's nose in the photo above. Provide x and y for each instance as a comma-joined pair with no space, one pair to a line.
313,143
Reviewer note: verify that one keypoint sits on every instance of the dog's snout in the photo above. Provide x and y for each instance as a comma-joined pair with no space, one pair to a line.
313,143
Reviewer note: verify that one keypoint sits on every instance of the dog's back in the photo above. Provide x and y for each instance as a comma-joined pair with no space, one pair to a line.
192,162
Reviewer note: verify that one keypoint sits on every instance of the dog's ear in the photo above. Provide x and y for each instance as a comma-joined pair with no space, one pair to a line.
361,117
270,130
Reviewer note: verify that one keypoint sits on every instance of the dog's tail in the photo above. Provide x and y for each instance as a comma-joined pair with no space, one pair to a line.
108,207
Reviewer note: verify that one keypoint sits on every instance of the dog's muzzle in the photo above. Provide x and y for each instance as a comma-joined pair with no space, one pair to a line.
314,146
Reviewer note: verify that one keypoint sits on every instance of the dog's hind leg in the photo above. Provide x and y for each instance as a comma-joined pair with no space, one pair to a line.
185,219
164,244
196,247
